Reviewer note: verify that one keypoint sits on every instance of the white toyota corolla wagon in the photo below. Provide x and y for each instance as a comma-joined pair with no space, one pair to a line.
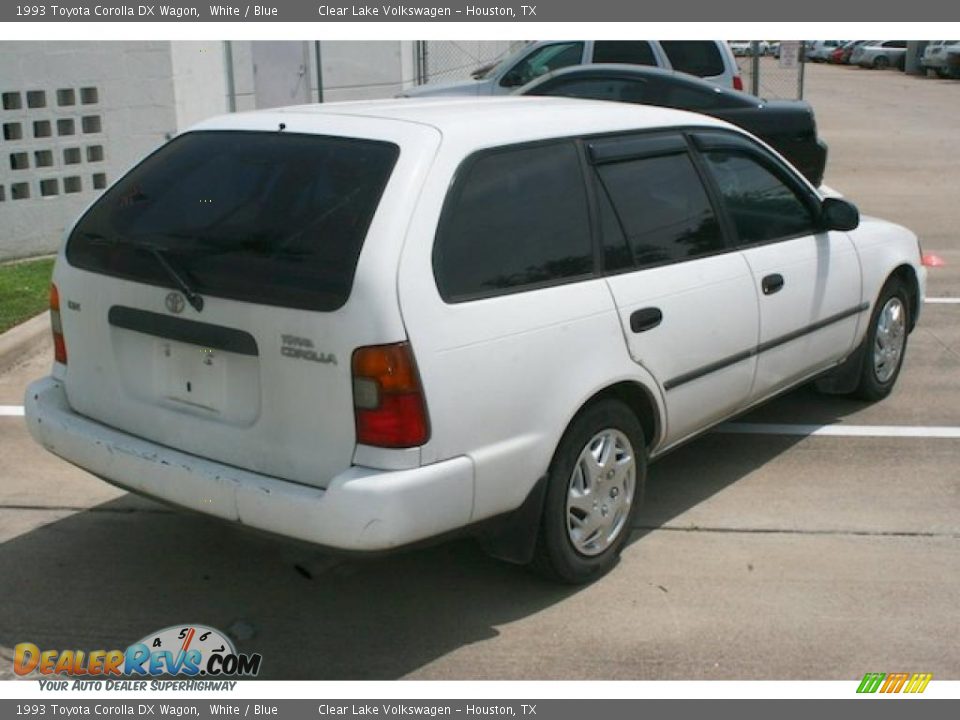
368,325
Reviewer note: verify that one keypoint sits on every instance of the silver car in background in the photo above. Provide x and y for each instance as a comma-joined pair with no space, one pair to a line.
881,55
711,60
937,54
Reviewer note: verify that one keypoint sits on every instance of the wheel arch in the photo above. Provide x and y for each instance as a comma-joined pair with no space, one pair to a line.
512,536
641,402
908,276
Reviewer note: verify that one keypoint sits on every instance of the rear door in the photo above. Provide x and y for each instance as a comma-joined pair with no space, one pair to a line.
269,229
685,297
807,280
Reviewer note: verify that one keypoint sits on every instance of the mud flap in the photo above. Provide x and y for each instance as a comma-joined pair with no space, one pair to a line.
845,378
512,537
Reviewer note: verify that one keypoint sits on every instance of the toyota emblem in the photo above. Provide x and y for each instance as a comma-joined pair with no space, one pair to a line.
175,303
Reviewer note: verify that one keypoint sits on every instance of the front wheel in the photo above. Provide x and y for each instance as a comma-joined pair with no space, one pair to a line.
594,487
886,342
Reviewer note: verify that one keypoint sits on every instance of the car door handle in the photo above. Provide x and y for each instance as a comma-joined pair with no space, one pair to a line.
772,283
645,319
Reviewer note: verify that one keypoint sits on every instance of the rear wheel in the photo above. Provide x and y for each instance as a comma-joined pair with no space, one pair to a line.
594,487
886,342
882,62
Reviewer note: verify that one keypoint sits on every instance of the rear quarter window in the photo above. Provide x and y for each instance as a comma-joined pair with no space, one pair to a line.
269,218
515,219
696,57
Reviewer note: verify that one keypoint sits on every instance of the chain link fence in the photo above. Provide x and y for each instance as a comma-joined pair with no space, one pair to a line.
769,73
449,60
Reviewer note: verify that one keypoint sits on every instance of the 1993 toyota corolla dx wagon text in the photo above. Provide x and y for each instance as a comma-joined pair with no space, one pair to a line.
370,324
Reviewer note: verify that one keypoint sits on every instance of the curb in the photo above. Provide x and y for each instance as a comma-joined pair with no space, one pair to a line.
23,339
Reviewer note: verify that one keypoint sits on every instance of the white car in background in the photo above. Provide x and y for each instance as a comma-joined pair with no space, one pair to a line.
707,59
936,56
391,321
880,55
820,50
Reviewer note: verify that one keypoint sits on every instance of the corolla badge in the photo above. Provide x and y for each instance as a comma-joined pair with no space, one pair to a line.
175,302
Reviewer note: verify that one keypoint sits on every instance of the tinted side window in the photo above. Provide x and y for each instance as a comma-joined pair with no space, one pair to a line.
761,206
543,60
516,218
632,52
615,89
663,208
696,57
617,254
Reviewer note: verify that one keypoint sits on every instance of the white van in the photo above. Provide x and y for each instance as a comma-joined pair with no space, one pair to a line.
368,325
711,60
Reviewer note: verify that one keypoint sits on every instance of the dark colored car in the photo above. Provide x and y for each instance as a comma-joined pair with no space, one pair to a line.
788,126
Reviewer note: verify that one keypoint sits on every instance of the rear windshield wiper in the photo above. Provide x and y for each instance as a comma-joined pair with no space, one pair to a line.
193,297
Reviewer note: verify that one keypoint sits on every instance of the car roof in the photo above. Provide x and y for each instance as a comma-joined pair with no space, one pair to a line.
479,122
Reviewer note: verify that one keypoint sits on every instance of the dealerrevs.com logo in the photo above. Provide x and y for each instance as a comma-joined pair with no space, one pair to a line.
894,682
179,650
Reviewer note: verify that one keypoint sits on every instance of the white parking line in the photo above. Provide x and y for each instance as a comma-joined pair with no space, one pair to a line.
912,431
943,301
894,431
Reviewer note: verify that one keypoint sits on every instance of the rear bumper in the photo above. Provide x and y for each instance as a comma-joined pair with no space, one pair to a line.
361,509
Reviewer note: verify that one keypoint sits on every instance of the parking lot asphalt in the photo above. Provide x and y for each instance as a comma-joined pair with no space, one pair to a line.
757,556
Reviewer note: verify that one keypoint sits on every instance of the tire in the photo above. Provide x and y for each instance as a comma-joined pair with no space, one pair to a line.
886,342
581,539
881,62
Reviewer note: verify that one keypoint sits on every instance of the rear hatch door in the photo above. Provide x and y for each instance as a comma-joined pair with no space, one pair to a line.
213,297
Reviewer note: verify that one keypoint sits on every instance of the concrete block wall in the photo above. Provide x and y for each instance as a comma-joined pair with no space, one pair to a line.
97,109
366,70
199,80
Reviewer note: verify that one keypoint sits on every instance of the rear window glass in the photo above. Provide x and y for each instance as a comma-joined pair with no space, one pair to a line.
615,89
516,219
270,218
696,57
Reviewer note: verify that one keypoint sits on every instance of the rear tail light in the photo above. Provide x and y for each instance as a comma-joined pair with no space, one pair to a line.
737,82
388,400
59,344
